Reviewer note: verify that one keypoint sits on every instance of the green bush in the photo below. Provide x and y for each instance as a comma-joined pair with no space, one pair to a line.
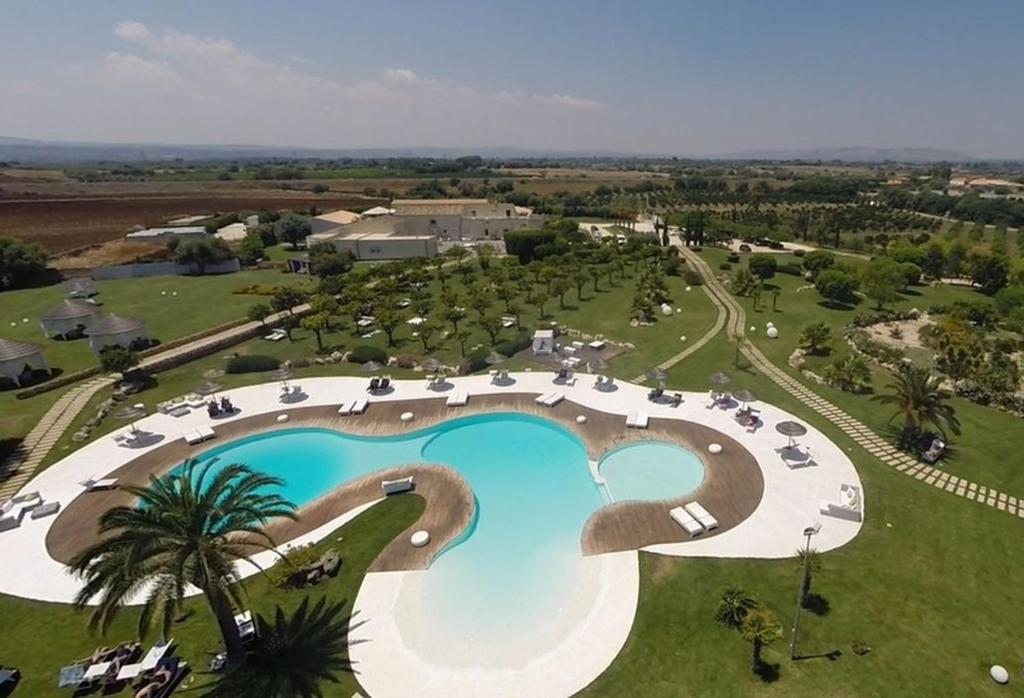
733,257
364,353
799,253
692,278
476,360
725,266
791,269
521,341
524,243
291,562
251,363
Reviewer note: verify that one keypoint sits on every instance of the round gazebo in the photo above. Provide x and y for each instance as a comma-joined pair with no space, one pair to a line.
16,357
68,318
109,330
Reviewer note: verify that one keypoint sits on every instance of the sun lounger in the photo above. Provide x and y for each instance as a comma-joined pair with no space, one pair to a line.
704,518
44,510
198,435
359,406
686,521
849,506
542,399
346,408
395,486
457,399
637,419
554,399
94,485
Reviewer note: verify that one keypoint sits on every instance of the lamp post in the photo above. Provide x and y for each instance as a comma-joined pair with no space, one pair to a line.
808,532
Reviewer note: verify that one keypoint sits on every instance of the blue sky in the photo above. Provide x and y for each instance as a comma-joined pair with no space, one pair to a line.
687,78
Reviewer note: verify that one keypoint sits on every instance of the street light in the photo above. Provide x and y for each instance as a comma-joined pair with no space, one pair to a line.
811,530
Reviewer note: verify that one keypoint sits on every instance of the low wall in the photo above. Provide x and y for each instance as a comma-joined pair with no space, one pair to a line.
135,271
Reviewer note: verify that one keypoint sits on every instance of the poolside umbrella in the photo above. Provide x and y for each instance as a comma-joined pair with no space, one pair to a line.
744,396
371,366
656,374
790,429
209,388
719,378
495,358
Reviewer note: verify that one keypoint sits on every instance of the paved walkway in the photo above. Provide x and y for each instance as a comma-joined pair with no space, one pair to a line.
719,322
854,428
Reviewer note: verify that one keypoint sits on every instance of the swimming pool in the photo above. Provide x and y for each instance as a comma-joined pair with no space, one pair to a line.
650,470
517,569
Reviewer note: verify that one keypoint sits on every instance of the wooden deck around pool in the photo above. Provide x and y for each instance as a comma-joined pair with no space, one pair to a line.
731,490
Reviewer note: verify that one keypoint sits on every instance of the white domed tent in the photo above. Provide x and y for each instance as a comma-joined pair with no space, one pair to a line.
16,357
68,318
109,330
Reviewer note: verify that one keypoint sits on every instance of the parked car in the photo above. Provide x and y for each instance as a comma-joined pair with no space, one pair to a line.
744,247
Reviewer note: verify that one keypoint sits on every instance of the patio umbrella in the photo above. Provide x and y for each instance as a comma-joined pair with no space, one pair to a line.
719,378
790,429
371,366
209,388
744,395
495,358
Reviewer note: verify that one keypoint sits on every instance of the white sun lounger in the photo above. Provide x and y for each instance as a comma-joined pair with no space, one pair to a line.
359,406
687,522
395,486
346,408
198,435
92,484
543,398
457,399
704,518
554,399
637,419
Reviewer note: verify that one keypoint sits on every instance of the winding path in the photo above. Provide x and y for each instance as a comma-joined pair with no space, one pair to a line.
852,427
719,322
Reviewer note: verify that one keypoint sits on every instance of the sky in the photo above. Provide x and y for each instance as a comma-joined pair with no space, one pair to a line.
671,78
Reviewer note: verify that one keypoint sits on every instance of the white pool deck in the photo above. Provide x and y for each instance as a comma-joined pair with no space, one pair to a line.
387,662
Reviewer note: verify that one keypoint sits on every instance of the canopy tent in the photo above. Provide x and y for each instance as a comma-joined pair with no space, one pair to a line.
17,356
67,318
111,329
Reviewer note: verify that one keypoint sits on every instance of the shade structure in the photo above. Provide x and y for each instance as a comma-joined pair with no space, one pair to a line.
495,358
16,356
69,317
744,395
108,330
371,366
790,428
719,378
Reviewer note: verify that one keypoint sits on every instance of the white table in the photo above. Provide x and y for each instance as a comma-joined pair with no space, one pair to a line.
597,344
129,671
96,671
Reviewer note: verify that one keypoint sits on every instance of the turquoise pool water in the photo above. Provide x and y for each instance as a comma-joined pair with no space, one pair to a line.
650,470
533,491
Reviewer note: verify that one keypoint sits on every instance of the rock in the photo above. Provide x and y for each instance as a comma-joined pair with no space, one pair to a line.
715,449
337,355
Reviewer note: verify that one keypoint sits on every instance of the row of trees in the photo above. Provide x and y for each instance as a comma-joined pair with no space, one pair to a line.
22,264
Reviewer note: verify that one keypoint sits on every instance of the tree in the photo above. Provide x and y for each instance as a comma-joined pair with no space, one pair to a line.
484,255
851,373
559,287
990,273
733,607
326,260
457,254
933,262
251,249
200,252
882,281
760,628
21,263
454,314
426,331
480,299
389,319
762,265
286,299
187,528
919,398
258,312
813,559
118,359
461,337
836,287
817,261
516,311
744,282
911,274
491,324
317,323
595,274
291,656
815,338
292,228
775,299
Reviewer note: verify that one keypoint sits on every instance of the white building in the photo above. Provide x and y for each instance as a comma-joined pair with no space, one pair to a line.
330,221
381,237
163,233
235,232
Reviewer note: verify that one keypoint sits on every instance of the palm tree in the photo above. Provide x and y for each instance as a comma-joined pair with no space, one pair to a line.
733,607
920,399
813,567
760,627
189,528
292,656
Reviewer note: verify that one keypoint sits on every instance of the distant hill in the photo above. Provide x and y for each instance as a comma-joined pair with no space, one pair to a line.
854,154
28,150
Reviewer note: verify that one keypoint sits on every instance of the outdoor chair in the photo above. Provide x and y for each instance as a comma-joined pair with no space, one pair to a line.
374,385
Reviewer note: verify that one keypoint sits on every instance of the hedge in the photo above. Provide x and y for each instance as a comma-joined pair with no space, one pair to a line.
509,347
251,363
791,269
365,353
524,243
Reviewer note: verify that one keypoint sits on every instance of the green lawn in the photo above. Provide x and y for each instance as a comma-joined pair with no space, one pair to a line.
39,638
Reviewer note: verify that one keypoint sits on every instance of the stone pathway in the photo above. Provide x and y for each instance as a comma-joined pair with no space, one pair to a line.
854,428
33,449
719,322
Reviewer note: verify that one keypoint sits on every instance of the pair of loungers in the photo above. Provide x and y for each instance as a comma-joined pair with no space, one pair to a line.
198,435
13,511
693,518
550,399
353,407
458,398
637,419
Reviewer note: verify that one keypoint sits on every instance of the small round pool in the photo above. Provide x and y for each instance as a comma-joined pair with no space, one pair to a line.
650,470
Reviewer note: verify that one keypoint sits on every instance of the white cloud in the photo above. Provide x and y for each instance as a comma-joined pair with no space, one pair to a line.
570,102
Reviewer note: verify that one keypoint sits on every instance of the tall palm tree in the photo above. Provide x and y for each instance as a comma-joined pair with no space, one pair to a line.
733,607
760,628
293,655
920,399
188,529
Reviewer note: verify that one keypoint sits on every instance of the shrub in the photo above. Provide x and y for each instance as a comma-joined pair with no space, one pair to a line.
521,341
258,290
733,257
365,353
791,269
405,361
725,266
524,243
836,286
251,363
290,562
762,265
692,278
475,361
799,253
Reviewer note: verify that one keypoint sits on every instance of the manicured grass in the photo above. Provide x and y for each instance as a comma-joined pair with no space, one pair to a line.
39,638
200,302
